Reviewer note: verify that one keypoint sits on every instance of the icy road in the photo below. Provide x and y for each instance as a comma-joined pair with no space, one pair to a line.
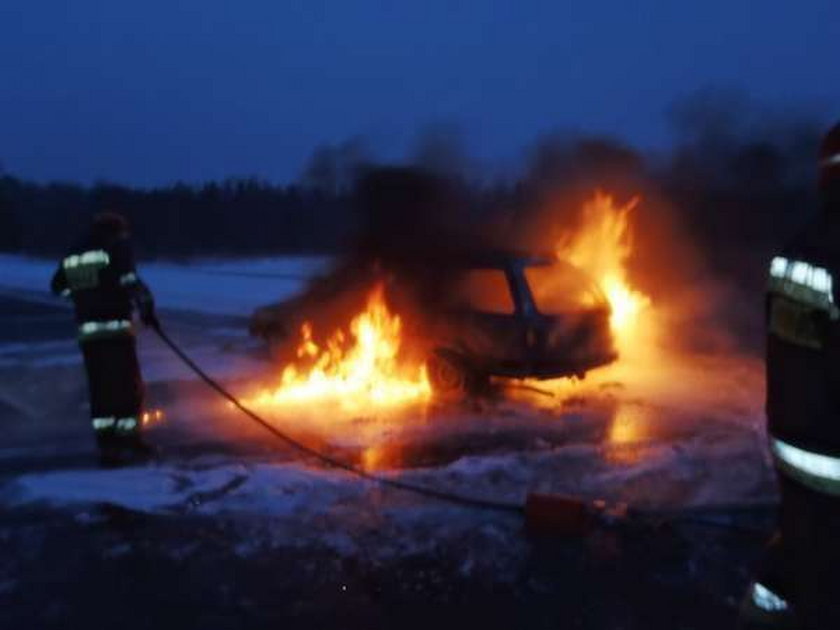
231,529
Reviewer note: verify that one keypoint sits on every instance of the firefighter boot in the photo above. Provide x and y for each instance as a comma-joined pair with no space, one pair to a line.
135,449
140,448
109,449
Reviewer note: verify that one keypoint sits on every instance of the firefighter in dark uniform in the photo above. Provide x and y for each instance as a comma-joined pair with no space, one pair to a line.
100,277
800,585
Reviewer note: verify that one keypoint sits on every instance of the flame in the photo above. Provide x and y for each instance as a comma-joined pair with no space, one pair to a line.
379,457
630,424
602,248
358,371
152,416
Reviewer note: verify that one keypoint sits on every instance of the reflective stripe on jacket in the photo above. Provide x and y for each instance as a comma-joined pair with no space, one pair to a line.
817,471
90,331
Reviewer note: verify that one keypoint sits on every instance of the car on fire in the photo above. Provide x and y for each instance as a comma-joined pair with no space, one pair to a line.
472,316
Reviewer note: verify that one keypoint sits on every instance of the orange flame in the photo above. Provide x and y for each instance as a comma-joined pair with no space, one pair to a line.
360,371
151,416
602,248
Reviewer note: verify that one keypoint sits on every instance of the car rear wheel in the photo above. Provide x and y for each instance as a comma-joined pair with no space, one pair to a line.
452,377
447,375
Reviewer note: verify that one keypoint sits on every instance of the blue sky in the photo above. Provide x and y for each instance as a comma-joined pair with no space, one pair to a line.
163,90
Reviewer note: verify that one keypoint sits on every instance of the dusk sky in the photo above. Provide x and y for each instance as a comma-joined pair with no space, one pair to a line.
162,90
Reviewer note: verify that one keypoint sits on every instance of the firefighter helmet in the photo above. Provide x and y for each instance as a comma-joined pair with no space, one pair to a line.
110,224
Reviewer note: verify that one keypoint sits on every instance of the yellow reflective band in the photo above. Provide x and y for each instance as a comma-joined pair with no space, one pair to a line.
82,270
815,470
778,267
112,328
113,325
128,278
92,257
66,293
767,600
127,424
100,424
805,274
804,282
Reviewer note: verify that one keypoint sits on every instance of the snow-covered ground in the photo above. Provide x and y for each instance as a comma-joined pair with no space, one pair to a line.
218,286
698,443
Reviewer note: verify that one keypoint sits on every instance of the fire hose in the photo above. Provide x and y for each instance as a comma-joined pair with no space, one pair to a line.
543,513
326,459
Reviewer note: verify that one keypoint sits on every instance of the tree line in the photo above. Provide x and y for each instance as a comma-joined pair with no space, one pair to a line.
235,217
740,179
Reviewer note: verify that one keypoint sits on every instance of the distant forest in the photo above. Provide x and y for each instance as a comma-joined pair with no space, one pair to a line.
231,218
739,179
736,183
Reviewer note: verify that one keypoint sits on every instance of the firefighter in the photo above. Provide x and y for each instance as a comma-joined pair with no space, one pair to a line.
800,584
100,278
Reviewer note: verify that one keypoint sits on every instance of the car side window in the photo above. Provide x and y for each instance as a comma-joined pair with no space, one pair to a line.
560,287
485,290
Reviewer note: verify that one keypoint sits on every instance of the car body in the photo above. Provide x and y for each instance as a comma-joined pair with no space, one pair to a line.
472,315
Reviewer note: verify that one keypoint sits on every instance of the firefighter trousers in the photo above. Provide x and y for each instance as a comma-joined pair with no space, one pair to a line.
810,529
115,385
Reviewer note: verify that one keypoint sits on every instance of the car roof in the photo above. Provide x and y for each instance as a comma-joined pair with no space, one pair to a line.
475,258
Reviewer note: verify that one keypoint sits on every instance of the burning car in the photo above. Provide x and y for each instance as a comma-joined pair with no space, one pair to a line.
467,316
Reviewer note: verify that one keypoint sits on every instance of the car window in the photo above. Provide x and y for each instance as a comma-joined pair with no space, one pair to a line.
561,287
485,290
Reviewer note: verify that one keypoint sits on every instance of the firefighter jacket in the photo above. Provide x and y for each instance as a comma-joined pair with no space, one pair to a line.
100,277
803,357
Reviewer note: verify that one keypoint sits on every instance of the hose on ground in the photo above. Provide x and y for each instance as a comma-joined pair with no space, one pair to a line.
448,497
425,491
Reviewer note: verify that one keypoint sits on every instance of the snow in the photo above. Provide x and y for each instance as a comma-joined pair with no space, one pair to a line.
146,489
229,288
44,353
694,440
208,286
699,471
25,274
222,287
708,462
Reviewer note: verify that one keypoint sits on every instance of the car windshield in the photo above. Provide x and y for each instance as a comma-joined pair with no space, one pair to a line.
485,290
561,287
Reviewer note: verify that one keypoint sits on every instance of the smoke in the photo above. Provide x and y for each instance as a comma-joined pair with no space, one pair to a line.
411,211
741,177
332,169
440,148
737,181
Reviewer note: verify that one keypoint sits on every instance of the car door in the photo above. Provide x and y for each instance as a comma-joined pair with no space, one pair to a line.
487,319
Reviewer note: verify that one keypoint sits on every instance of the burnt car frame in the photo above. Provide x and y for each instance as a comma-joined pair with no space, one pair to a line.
472,316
